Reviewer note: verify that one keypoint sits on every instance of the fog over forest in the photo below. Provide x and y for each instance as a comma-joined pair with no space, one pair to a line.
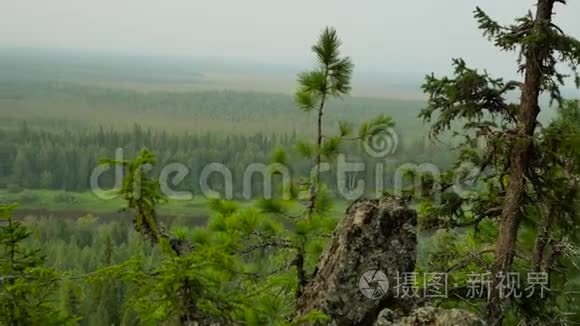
289,163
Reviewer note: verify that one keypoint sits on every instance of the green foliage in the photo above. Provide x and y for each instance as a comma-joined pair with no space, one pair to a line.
204,275
279,156
338,69
305,149
26,286
312,317
272,206
330,147
345,128
527,34
141,192
223,207
241,268
313,85
331,78
491,131
71,154
375,126
156,293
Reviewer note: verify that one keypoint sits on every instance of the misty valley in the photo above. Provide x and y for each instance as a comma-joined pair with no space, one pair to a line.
150,189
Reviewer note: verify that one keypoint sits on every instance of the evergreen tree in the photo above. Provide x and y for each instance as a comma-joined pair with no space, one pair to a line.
511,165
26,286
330,79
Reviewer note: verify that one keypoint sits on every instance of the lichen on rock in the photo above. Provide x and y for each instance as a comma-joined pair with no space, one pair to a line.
375,235
429,316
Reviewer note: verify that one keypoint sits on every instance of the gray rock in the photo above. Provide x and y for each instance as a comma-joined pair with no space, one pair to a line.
429,316
375,235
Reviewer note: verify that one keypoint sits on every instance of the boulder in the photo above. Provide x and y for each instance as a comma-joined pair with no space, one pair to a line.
354,280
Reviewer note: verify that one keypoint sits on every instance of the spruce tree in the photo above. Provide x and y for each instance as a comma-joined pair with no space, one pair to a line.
27,288
501,138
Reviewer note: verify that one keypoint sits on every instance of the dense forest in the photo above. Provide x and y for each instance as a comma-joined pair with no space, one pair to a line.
180,127
319,208
36,158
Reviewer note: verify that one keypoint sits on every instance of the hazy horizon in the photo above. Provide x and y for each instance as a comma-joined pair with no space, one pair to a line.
397,38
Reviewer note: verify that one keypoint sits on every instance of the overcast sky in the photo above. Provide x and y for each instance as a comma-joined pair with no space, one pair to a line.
411,36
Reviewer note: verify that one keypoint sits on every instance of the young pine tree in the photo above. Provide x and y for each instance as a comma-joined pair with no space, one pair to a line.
330,79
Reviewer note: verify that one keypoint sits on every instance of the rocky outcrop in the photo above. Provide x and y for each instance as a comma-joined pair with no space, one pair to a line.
429,316
373,244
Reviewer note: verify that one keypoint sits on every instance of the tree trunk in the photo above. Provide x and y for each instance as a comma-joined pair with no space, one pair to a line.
520,157
300,272
542,238
310,205
317,159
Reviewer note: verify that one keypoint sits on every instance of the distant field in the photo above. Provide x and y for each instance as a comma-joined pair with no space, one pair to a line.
153,73
46,203
58,105
89,203
57,88
62,92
